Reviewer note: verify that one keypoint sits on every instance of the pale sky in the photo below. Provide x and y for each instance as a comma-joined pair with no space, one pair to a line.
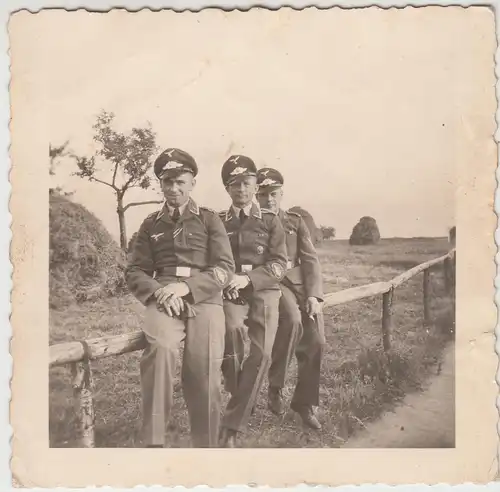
357,112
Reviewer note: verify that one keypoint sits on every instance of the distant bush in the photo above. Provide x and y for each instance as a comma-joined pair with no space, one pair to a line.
327,232
365,232
85,262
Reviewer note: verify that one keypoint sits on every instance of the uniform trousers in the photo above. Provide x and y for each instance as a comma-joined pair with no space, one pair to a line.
299,334
243,377
203,337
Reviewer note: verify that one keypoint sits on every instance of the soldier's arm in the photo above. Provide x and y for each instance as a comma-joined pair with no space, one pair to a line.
309,263
220,269
271,273
140,268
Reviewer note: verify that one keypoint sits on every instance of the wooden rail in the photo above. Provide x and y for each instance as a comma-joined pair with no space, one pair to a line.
79,353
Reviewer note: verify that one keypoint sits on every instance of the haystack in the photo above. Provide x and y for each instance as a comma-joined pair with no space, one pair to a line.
316,234
85,263
365,232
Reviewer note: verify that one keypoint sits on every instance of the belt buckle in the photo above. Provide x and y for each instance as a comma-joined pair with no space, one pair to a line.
246,268
182,271
289,265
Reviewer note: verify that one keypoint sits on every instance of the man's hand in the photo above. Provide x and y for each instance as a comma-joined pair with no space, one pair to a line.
170,297
239,282
230,294
313,307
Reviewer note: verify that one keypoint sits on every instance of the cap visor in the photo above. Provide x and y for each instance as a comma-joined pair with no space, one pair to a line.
270,187
239,177
173,173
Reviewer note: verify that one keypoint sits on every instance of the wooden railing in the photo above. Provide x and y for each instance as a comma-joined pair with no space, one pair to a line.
79,353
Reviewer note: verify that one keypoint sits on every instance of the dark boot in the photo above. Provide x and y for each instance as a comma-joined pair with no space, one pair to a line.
308,416
275,401
228,438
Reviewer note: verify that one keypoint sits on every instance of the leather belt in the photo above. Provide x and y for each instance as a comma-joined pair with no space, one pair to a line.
179,271
244,268
249,268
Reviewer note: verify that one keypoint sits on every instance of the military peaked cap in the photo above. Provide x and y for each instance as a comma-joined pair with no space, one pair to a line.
269,178
172,162
236,167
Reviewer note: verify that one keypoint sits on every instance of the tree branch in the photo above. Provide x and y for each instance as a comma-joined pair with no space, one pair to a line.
104,183
126,186
114,174
135,204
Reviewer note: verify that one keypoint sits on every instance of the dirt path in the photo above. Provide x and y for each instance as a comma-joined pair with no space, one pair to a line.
423,420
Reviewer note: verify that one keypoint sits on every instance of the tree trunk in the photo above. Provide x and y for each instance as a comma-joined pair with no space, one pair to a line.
121,220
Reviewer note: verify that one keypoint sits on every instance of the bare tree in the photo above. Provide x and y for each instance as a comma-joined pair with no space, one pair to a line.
122,162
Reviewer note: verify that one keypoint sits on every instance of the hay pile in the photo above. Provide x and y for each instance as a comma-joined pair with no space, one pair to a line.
365,232
85,262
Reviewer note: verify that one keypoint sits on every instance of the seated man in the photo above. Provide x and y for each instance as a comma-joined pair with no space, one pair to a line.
179,264
301,327
252,296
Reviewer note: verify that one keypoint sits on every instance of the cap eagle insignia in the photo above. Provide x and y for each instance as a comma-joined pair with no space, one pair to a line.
238,170
172,165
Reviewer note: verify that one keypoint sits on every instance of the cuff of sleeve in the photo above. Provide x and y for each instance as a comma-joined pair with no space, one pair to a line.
260,279
144,294
320,298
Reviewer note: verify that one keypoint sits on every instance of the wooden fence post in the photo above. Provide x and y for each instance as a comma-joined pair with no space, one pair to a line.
82,385
387,319
446,271
427,297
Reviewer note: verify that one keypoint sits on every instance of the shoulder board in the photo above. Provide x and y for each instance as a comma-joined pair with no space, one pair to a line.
267,211
209,209
153,215
291,212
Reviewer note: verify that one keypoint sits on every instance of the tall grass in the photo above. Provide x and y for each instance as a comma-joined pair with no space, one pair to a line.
358,380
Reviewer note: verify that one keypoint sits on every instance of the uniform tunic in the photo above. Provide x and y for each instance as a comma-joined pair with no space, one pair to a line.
194,250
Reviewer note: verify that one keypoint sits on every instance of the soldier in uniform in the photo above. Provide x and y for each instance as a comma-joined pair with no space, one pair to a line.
252,296
180,263
301,327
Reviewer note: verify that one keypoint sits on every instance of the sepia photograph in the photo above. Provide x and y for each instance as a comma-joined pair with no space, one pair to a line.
180,323
251,224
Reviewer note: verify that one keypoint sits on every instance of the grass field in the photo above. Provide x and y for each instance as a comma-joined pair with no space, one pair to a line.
354,388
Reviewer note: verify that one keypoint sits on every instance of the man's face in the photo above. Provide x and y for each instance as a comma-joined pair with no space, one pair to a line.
270,199
177,189
242,191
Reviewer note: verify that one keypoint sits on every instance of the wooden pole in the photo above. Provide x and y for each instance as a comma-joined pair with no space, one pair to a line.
82,385
447,276
427,297
387,319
